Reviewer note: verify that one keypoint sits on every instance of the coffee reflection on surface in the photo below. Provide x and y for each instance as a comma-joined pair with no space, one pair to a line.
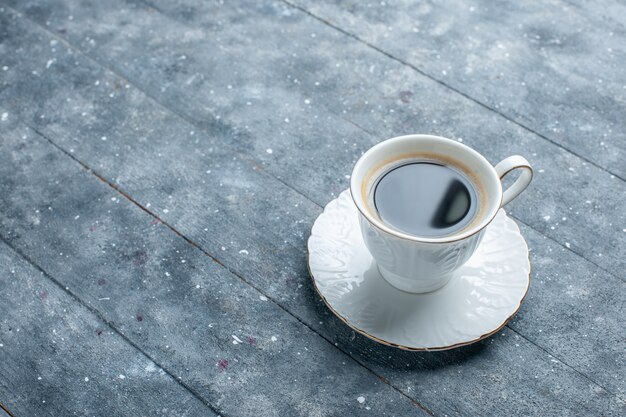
425,199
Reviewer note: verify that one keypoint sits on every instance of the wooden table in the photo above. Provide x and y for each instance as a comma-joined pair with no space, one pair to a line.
162,162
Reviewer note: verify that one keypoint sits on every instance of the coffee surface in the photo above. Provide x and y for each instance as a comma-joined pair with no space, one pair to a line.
425,199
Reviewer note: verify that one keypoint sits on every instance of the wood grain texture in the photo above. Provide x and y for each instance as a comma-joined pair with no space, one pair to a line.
229,69
239,351
58,358
162,167
184,177
553,66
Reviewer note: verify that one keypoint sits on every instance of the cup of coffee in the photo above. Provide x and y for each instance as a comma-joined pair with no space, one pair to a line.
424,203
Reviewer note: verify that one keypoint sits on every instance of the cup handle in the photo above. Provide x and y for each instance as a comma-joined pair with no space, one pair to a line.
509,164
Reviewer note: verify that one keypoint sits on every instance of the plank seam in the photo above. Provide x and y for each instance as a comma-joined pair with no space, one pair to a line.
574,369
6,410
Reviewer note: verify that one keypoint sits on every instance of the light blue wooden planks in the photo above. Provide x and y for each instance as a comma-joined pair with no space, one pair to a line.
274,265
59,358
224,340
271,78
553,66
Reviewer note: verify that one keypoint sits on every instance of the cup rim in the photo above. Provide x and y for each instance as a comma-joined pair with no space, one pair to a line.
355,185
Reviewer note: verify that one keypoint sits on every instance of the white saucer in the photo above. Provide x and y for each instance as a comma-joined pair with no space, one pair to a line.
482,296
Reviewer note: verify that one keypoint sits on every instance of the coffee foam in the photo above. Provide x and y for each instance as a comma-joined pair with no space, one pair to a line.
380,169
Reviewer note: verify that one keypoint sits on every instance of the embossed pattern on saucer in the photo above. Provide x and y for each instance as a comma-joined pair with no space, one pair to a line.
482,296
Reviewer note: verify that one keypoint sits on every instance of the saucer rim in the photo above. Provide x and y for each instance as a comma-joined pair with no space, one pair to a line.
409,348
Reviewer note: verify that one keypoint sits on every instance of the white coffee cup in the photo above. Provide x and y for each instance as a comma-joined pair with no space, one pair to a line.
421,264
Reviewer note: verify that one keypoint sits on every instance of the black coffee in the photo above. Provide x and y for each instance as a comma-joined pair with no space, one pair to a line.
425,199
